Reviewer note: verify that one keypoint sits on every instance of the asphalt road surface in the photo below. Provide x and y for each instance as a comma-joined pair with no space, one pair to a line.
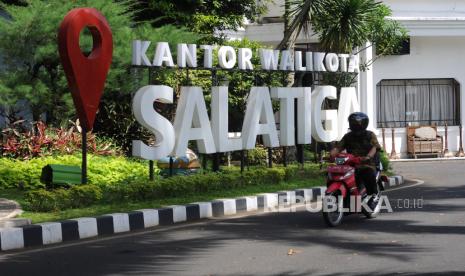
425,235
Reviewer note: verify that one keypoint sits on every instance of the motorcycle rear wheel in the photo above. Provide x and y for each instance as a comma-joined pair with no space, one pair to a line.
334,218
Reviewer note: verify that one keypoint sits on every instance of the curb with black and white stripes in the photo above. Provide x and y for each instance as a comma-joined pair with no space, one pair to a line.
394,181
90,227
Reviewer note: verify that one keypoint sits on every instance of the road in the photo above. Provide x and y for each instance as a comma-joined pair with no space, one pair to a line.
419,238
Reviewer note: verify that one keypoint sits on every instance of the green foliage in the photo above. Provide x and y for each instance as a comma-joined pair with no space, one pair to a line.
257,156
297,18
82,196
19,142
385,161
43,200
344,25
240,82
387,35
101,170
208,18
32,68
124,129
14,2
115,118
29,48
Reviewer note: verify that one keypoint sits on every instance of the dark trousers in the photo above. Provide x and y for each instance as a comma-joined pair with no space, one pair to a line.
367,176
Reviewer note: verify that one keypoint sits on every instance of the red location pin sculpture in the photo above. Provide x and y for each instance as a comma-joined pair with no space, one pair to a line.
86,74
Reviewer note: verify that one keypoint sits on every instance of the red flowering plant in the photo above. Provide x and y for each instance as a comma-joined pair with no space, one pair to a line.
41,140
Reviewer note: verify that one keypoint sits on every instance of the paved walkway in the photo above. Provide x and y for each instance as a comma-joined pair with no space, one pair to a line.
8,208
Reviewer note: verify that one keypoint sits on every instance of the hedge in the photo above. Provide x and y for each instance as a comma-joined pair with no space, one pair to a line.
102,170
76,196
86,195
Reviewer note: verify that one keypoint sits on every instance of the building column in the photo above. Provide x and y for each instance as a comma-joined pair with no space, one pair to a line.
365,86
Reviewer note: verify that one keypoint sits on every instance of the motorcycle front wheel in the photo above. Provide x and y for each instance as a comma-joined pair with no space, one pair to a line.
373,213
333,216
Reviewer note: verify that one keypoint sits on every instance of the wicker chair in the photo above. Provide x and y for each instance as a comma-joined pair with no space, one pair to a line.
418,145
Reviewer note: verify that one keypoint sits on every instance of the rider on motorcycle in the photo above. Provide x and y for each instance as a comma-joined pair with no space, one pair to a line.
363,143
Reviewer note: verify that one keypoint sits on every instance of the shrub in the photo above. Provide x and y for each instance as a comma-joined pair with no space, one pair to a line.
40,140
77,196
84,195
141,190
102,170
290,172
385,161
41,200
257,156
124,192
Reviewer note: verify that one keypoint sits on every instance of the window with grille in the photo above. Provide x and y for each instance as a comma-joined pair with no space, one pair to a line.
417,102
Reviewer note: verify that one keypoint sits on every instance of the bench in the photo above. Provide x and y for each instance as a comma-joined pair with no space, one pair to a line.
60,175
424,140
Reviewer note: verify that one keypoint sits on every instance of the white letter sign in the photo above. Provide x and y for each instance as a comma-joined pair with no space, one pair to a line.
163,55
287,96
259,119
348,104
147,116
227,57
192,123
219,108
329,132
187,54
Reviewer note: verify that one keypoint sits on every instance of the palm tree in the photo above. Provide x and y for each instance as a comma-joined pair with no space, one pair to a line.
345,26
297,16
342,25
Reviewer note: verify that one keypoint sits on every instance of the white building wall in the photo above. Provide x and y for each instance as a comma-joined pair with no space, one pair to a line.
275,9
429,8
430,57
437,37
437,32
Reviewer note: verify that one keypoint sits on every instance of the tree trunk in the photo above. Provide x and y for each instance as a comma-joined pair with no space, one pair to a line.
291,42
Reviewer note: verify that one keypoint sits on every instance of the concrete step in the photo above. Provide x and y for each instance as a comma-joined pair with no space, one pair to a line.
14,222
9,208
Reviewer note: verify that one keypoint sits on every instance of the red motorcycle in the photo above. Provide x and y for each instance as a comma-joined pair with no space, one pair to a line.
344,196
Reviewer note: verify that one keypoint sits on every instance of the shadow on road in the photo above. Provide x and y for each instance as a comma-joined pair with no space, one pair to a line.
377,273
173,251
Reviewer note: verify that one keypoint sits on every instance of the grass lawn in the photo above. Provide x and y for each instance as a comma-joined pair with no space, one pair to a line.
101,209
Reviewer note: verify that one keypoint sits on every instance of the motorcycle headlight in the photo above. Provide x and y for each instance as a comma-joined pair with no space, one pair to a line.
341,160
